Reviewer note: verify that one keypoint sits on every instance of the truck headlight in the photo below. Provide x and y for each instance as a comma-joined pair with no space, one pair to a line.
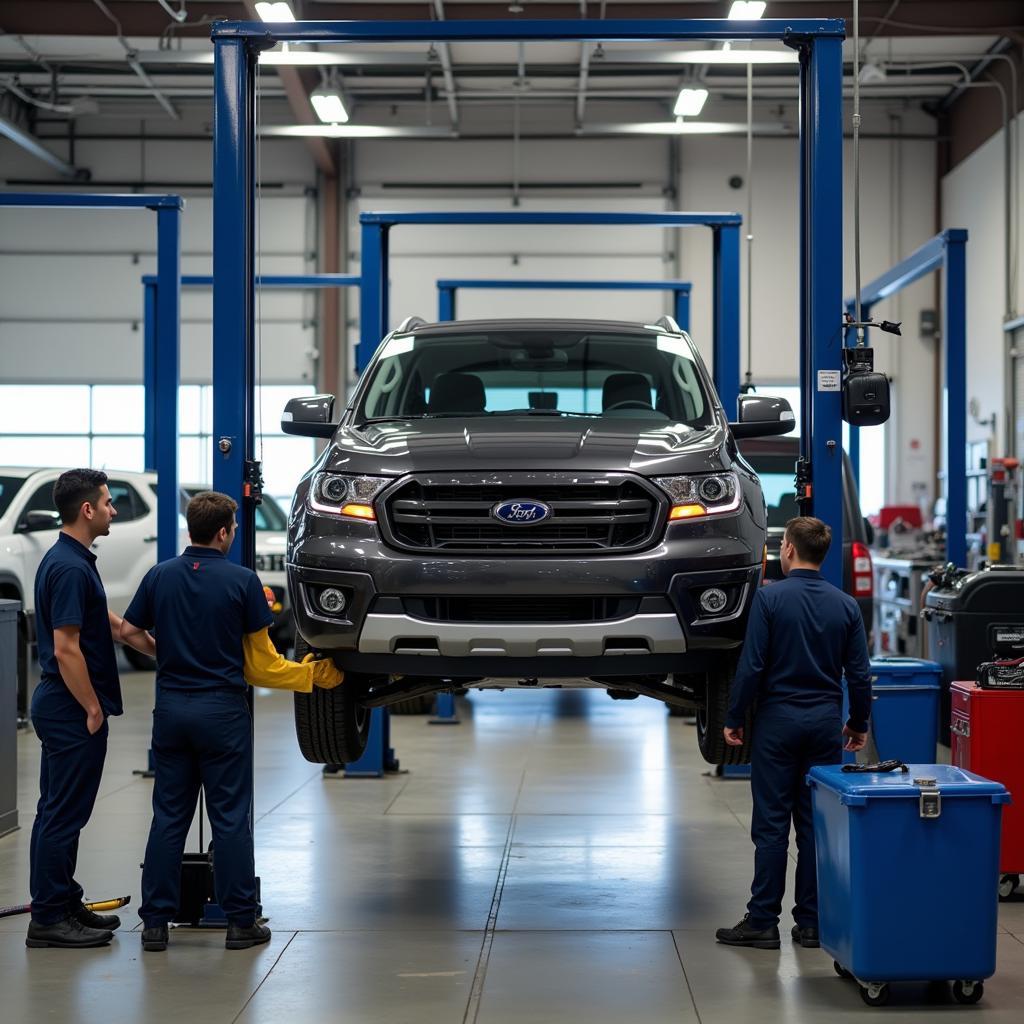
696,496
344,495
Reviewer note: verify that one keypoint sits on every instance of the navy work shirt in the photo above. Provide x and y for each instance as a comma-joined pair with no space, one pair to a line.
200,605
802,634
69,592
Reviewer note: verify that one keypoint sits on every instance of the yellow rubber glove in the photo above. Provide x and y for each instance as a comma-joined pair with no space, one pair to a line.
326,675
264,666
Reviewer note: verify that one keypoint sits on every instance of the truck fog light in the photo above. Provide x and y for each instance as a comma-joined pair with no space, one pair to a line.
332,600
713,600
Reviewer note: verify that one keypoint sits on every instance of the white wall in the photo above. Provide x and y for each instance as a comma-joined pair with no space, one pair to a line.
972,198
71,298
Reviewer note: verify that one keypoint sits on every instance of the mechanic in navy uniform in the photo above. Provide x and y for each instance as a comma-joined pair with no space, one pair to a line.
211,619
79,688
802,636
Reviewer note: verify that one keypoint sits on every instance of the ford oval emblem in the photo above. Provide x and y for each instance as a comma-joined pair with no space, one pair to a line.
522,512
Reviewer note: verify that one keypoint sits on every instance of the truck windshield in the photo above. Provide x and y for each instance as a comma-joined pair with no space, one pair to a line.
9,487
643,375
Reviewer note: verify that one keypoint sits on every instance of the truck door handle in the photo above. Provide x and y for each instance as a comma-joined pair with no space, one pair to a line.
149,540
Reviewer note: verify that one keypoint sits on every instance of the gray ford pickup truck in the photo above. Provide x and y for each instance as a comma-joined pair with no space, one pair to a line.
524,503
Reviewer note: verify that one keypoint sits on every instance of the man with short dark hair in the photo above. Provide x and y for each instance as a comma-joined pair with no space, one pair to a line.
211,620
78,689
802,635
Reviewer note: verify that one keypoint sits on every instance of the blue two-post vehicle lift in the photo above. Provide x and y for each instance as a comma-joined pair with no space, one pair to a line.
448,289
237,46
161,361
946,252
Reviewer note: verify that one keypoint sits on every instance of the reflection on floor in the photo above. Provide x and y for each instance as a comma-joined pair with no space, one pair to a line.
556,857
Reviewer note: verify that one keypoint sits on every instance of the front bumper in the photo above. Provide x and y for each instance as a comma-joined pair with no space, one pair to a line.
378,633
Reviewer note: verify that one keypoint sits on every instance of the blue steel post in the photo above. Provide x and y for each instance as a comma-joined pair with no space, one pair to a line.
954,334
726,327
445,303
373,297
682,307
149,375
167,372
821,267
234,134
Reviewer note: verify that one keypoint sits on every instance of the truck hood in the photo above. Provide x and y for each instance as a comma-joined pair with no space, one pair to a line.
525,443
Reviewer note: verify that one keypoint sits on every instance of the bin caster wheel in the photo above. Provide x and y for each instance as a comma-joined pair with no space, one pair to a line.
841,970
968,992
1008,885
875,995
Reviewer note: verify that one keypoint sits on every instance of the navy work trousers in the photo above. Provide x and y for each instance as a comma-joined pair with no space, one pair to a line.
201,739
69,779
788,741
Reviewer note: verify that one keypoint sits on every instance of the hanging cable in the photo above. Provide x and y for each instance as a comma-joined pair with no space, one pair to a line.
750,223
856,168
258,239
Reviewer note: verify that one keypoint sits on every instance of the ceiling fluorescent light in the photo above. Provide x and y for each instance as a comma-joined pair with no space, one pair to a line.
328,104
681,128
746,10
734,56
690,102
279,12
357,131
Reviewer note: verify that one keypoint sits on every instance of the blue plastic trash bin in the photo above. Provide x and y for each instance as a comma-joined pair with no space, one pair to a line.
905,708
907,873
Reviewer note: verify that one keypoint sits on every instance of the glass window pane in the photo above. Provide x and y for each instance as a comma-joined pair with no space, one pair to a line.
118,409
44,451
206,418
118,453
272,399
285,459
44,409
190,457
188,409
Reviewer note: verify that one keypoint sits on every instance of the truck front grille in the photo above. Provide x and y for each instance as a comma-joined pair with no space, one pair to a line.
608,513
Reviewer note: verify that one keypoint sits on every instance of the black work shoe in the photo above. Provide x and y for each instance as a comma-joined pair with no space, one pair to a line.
744,934
105,922
154,940
807,937
66,934
245,938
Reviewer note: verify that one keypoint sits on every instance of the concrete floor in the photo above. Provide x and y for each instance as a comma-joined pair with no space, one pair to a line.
558,857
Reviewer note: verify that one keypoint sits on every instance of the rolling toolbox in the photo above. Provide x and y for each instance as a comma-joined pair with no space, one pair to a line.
987,726
962,612
906,864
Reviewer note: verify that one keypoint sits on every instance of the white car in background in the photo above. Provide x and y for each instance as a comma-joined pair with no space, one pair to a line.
28,525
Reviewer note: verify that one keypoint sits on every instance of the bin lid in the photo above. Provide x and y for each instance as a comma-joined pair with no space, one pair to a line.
893,671
860,787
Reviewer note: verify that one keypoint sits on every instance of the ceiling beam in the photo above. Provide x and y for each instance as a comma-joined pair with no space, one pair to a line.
912,17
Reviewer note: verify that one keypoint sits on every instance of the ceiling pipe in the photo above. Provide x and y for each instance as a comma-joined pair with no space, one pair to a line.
134,64
446,69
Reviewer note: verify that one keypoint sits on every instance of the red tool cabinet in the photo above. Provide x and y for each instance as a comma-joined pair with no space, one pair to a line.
987,729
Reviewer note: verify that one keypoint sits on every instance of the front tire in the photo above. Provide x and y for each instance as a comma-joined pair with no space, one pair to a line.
711,719
421,705
331,726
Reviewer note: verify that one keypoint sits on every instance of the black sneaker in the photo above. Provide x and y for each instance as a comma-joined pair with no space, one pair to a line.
66,934
744,934
104,922
154,940
807,937
245,938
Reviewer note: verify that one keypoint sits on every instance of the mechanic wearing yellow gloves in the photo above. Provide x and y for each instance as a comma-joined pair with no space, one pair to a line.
210,618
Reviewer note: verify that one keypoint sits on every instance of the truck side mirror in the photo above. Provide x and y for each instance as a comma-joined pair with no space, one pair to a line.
38,520
763,416
310,416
